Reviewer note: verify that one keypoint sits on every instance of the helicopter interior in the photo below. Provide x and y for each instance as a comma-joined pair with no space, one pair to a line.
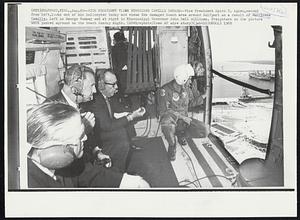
153,54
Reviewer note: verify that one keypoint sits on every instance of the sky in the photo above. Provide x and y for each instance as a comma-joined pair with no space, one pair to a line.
241,42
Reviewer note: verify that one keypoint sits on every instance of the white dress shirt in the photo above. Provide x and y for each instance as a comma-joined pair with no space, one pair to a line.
70,102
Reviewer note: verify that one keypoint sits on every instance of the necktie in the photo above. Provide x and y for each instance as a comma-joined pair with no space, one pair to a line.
108,106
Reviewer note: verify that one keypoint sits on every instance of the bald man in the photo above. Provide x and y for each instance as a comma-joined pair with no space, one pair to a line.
111,132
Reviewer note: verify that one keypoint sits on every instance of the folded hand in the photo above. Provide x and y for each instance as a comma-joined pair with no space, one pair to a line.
139,112
88,119
105,159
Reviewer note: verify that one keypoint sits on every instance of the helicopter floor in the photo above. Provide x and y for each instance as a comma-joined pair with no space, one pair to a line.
199,164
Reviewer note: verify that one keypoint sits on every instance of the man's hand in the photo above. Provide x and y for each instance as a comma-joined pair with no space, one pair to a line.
137,113
180,116
104,159
131,181
120,115
186,119
88,120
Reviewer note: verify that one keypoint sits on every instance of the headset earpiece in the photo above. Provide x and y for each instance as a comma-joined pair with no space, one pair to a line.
56,157
77,85
75,91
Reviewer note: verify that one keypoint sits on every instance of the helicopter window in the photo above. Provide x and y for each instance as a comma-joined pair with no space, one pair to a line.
86,63
241,117
90,45
87,47
88,42
71,55
84,54
100,62
86,38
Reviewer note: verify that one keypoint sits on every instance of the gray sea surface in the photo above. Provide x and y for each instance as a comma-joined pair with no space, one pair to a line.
239,71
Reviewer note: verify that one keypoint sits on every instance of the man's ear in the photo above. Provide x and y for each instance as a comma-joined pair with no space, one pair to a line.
75,90
77,86
56,157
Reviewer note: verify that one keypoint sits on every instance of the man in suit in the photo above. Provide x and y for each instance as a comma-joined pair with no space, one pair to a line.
111,131
53,149
79,87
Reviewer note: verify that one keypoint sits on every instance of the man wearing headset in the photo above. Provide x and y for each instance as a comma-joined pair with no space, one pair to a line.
55,136
174,99
79,87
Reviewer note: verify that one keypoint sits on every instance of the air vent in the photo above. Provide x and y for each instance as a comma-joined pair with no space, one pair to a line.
87,48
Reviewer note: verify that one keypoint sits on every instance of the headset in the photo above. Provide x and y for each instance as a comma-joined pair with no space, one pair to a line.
77,84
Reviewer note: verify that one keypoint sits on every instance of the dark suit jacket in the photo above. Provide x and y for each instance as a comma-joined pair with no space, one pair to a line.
59,97
38,179
80,175
110,133
107,129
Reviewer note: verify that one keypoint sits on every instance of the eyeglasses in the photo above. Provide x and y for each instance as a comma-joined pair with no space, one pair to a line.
112,84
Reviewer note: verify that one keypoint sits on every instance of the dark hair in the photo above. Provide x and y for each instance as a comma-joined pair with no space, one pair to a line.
43,120
76,72
119,36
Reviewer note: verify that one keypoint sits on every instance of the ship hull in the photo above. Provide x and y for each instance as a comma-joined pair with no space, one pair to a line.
259,76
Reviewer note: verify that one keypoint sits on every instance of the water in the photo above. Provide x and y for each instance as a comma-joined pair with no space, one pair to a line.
254,120
239,71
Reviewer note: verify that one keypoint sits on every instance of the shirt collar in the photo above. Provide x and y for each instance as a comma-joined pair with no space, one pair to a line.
45,170
104,96
70,102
